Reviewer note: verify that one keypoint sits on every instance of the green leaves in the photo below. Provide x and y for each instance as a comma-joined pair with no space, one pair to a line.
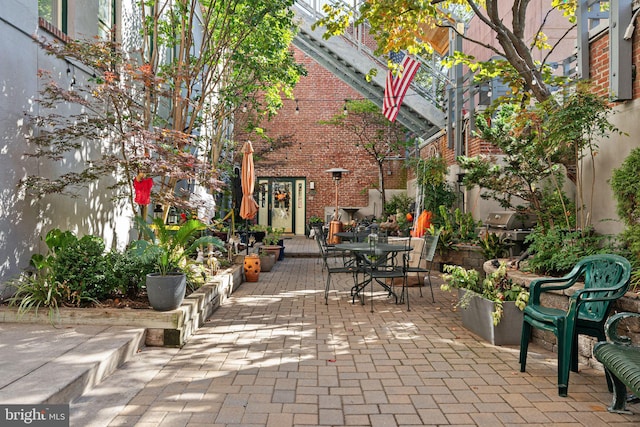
196,61
625,183
170,248
496,287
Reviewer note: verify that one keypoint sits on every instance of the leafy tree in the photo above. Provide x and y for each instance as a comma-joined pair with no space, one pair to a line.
165,108
431,177
537,141
378,137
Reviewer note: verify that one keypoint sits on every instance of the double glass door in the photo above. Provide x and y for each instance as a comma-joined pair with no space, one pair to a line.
281,202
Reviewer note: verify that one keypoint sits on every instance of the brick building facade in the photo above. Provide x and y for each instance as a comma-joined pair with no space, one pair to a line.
312,147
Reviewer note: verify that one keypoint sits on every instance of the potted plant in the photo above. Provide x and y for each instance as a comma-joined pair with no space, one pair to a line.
169,251
486,303
220,229
273,242
315,223
315,220
267,259
258,231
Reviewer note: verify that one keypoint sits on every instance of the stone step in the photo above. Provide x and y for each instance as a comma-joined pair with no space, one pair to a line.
45,364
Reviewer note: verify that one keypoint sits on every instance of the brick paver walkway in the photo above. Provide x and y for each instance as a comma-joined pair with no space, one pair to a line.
276,355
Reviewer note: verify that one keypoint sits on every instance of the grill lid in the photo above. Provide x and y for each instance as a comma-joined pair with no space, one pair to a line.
509,220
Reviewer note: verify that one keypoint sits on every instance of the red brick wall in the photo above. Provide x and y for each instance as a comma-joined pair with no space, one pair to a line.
599,63
316,147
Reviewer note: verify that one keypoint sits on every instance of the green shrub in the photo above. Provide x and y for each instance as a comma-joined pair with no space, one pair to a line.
127,272
625,183
82,266
458,227
398,203
494,246
36,291
557,250
439,195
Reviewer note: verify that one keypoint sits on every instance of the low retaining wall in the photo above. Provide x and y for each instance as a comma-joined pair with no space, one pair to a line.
560,299
163,328
467,256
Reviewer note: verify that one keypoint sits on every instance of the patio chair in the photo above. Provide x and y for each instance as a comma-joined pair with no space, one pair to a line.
606,278
425,263
347,266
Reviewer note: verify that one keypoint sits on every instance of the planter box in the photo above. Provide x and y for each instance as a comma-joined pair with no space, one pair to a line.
477,318
163,328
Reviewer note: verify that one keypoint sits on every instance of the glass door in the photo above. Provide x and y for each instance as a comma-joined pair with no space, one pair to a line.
282,205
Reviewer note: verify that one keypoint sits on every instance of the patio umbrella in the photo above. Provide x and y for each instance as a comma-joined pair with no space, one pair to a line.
248,207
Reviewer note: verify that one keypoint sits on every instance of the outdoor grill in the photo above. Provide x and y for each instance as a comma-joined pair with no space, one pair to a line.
510,226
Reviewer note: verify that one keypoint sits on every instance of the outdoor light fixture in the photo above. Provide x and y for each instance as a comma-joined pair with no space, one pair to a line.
336,173
628,33
335,225
297,108
157,211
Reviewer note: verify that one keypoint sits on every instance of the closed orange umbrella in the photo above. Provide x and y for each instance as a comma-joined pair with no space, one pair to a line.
248,207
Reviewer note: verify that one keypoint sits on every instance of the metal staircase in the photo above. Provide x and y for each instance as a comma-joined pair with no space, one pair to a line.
350,60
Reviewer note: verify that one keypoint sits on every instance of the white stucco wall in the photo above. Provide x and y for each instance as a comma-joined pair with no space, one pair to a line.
24,220
612,153
18,220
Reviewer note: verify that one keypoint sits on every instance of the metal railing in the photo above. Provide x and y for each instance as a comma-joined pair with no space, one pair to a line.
430,81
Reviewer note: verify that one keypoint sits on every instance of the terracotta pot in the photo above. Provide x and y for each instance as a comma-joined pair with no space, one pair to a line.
251,268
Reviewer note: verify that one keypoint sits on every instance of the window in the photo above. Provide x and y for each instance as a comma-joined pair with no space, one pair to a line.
54,12
106,18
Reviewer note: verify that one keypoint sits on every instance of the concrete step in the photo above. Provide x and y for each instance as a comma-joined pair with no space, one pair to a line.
45,364
100,405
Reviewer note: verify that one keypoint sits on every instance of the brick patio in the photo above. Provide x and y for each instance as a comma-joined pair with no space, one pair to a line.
276,355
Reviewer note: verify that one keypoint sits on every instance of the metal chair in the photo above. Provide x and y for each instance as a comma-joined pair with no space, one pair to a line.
346,267
425,264
606,278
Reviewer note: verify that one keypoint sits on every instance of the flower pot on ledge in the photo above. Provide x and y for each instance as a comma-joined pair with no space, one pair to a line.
477,318
166,292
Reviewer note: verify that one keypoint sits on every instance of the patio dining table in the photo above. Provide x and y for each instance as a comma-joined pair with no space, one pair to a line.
378,263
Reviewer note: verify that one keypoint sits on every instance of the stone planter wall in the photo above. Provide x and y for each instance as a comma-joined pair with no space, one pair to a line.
163,328
467,256
560,299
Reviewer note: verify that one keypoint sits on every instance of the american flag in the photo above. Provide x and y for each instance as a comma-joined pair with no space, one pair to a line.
396,86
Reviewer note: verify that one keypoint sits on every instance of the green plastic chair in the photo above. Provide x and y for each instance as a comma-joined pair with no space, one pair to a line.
606,278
